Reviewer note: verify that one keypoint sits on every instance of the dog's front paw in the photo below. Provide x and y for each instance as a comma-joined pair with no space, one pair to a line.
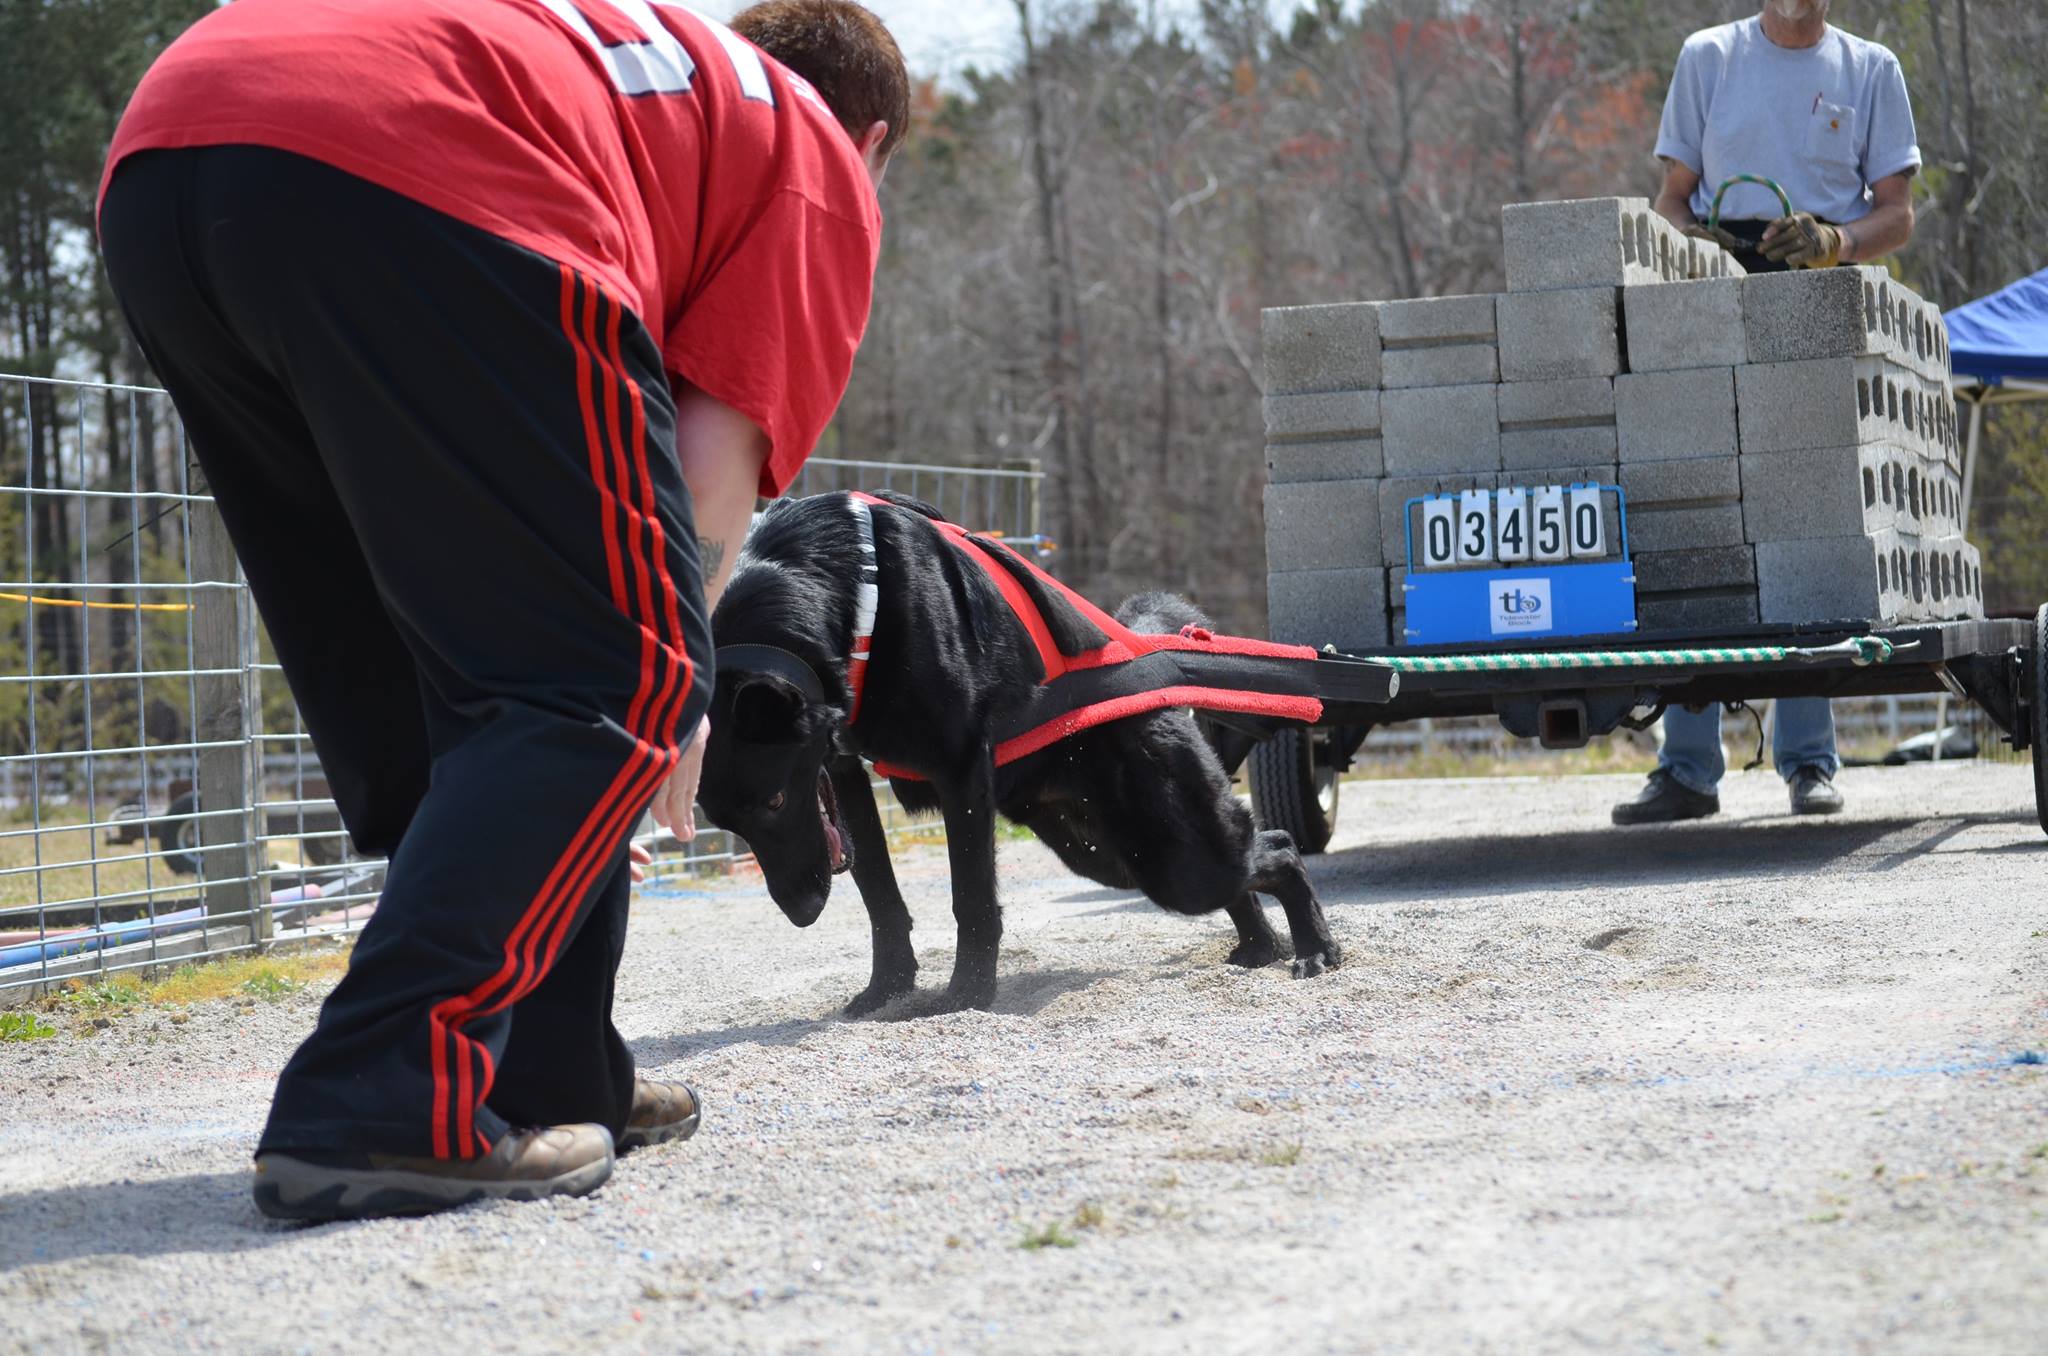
961,995
1253,955
1308,967
876,996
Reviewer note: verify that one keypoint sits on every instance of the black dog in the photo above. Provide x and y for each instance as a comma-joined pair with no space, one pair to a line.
1139,802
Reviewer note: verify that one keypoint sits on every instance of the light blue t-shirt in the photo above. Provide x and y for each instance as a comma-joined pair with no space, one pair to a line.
1826,121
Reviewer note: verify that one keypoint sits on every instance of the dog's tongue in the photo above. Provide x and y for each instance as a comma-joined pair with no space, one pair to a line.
834,844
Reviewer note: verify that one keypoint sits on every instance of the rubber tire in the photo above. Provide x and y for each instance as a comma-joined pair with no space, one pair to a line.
180,840
2038,698
1291,792
322,851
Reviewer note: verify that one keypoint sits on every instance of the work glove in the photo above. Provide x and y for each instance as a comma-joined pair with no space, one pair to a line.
1720,235
1802,241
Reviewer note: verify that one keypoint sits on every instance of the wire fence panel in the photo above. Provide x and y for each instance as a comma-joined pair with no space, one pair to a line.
159,796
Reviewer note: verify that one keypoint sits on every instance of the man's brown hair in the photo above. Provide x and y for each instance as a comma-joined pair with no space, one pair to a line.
845,52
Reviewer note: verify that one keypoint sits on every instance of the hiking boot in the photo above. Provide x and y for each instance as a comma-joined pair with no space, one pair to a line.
661,1112
525,1165
1813,792
1666,800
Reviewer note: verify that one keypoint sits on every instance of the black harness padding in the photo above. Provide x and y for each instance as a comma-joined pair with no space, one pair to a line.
1325,679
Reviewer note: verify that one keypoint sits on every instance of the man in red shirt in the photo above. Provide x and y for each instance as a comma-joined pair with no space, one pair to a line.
487,320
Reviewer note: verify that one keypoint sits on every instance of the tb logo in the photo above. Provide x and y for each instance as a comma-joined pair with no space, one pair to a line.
1514,603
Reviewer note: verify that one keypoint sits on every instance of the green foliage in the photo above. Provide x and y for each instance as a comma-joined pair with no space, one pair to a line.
271,986
24,1026
1051,1236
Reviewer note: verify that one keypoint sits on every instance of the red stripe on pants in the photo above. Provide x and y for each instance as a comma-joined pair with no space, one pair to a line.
553,907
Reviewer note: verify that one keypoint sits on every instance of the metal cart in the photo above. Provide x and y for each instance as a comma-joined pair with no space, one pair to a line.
1563,692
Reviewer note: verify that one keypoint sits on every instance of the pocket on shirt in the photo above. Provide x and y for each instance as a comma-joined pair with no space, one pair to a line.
1831,134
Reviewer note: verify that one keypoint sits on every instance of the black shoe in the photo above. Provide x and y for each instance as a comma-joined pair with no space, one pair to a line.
1665,801
1813,792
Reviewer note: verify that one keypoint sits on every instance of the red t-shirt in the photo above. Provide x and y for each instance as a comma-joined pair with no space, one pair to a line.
647,145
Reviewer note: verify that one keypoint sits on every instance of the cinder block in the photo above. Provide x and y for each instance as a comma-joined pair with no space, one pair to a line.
1344,608
1685,325
1439,365
1324,525
1927,497
1437,320
1821,313
1898,477
1396,491
1600,242
1557,423
1662,528
1663,416
1321,348
1953,591
1713,567
1322,415
1436,429
1830,579
1820,492
1704,611
1972,583
1693,482
1549,335
1345,459
1583,444
1827,402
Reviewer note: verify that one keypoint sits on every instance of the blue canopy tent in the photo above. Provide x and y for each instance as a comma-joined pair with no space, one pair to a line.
1998,350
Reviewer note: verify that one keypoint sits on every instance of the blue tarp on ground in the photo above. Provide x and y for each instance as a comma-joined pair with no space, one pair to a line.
2003,335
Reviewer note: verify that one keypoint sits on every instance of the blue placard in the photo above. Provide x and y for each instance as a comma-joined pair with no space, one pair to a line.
1533,602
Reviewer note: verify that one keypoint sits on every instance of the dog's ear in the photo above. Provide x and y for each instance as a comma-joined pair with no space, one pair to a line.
768,710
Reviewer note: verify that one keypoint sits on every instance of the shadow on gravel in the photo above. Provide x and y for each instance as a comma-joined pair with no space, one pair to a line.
655,1051
1019,993
1696,853
201,1212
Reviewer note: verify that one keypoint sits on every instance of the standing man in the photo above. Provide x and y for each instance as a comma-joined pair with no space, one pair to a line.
1825,114
488,319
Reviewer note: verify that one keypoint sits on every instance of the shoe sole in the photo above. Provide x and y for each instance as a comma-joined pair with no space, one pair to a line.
1834,809
666,1134
1622,823
292,1189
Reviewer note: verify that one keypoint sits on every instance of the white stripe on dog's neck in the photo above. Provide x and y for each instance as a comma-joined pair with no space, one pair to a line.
867,594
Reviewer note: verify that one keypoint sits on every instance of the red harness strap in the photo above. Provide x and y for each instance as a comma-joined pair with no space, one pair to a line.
1124,645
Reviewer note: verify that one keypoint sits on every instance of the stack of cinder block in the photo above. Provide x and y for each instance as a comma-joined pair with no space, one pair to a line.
1786,442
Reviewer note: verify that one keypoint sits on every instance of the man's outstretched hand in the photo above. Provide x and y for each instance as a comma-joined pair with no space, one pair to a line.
1802,241
675,802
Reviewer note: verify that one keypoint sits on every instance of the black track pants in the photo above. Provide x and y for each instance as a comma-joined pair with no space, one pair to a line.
447,466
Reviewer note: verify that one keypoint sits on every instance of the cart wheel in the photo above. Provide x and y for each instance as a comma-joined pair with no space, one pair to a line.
2038,698
1291,791
180,838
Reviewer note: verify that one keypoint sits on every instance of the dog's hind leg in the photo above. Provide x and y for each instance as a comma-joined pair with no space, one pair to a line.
1277,870
895,962
1257,945
969,804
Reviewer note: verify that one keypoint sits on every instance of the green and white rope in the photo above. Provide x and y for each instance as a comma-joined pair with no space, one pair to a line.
1858,650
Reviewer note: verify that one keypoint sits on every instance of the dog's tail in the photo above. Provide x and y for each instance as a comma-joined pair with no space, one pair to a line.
1159,614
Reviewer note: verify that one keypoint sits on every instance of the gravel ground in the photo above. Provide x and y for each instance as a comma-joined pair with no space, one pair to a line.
1742,1085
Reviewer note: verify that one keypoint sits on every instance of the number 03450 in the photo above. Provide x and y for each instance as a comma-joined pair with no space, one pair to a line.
1512,525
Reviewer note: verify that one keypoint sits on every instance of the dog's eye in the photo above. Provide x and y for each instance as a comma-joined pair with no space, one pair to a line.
775,801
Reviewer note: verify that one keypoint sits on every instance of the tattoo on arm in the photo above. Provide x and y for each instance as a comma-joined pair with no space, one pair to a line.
711,555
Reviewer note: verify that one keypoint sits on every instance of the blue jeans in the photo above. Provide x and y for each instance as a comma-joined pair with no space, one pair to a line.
1803,737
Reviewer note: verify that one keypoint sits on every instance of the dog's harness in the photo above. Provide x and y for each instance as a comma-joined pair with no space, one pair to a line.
1128,674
